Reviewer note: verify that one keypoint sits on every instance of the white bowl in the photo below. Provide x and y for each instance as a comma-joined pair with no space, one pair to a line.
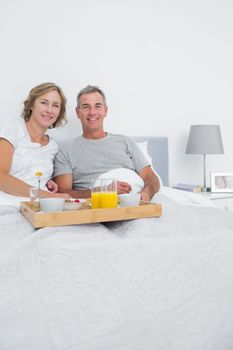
72,205
52,204
129,199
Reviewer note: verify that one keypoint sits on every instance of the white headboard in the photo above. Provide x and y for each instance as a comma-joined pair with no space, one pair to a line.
157,147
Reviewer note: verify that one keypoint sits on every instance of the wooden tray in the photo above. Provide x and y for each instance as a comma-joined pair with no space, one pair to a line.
87,215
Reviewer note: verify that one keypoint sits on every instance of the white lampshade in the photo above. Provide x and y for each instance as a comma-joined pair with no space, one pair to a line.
204,139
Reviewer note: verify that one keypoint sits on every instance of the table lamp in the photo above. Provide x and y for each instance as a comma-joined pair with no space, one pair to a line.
204,139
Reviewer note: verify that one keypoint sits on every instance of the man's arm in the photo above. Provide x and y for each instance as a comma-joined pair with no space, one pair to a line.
151,182
65,184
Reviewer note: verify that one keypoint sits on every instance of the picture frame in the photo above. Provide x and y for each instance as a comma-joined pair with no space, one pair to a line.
221,182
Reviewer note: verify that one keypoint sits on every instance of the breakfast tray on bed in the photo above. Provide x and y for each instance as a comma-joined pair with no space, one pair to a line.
87,215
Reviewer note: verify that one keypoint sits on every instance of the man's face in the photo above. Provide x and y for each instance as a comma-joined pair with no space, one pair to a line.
92,111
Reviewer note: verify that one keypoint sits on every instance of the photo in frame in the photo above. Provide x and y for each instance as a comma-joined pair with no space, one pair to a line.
221,182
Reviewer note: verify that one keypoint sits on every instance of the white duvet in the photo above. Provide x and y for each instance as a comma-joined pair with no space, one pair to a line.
149,284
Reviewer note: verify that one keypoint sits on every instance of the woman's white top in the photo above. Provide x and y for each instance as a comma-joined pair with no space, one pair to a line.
29,157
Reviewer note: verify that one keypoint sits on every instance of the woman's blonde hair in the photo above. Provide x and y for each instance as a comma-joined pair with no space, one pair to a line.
38,91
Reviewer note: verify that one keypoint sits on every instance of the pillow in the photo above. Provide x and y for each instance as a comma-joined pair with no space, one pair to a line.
126,175
143,148
130,176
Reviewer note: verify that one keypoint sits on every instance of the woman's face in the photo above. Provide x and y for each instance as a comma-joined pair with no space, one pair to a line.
46,109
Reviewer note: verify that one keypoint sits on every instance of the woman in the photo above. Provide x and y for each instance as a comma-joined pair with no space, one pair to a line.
26,149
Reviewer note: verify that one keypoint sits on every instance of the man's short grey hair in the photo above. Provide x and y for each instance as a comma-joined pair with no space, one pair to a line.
88,90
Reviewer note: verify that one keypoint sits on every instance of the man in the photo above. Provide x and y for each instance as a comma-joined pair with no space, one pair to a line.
82,160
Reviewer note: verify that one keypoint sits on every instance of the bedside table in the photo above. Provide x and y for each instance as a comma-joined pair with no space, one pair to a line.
221,200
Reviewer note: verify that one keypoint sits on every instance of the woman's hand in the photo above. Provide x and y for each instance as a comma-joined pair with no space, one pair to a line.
52,186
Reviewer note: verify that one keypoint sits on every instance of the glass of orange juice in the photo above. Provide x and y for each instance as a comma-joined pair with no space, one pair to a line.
108,193
95,196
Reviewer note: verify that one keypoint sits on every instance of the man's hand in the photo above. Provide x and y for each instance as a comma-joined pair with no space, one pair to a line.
123,187
52,186
151,183
145,196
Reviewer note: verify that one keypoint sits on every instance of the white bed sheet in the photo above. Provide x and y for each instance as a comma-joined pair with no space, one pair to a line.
160,283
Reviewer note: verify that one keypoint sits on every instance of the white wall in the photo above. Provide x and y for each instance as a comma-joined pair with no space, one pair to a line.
164,65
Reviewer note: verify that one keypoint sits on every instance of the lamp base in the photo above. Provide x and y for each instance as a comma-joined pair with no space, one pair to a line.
205,189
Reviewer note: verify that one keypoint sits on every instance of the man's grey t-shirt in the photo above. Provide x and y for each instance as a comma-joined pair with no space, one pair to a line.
87,159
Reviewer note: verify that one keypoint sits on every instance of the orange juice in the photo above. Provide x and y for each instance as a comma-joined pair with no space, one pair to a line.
108,199
95,200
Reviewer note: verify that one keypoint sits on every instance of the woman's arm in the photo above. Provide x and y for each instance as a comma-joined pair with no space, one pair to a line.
10,184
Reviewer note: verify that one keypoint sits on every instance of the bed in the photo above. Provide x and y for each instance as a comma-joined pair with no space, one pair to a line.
148,284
